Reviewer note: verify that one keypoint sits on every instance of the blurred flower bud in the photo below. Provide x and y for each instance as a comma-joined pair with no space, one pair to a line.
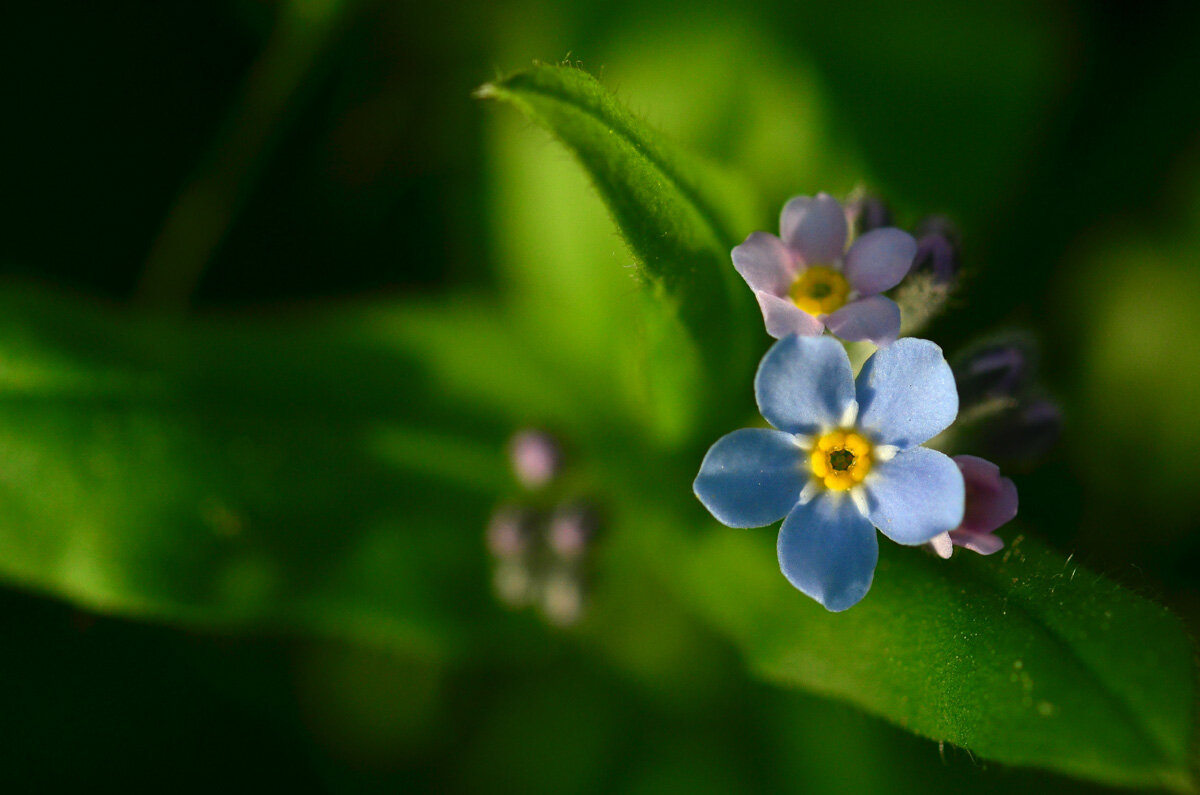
925,290
991,373
509,531
571,529
936,224
514,583
562,598
865,212
935,257
1026,432
536,457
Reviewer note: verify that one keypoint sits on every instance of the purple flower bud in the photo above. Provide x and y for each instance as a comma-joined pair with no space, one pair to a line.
937,249
991,501
1026,432
937,257
536,457
571,530
938,225
865,212
509,531
990,373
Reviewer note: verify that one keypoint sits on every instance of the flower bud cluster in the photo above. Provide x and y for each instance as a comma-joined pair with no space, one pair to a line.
542,547
933,276
1002,412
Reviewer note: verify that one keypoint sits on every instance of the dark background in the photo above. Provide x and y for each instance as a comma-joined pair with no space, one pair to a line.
1063,138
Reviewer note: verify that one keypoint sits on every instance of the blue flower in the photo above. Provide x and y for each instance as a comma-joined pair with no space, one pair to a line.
845,460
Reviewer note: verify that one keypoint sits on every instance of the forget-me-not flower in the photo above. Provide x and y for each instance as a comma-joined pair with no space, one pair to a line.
806,281
845,460
991,502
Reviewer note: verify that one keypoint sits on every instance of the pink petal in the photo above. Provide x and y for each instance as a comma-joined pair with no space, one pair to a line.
876,318
815,228
983,543
879,260
765,263
991,499
784,318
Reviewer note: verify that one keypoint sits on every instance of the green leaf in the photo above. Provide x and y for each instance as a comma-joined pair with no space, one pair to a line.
1022,657
322,475
555,247
680,218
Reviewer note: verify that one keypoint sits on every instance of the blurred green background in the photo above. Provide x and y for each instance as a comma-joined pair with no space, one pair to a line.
249,157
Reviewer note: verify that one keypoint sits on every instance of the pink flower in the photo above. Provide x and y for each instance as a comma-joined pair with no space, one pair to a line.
806,280
991,502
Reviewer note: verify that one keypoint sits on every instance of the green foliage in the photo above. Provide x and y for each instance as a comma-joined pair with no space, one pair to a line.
1022,658
679,217
331,476
296,476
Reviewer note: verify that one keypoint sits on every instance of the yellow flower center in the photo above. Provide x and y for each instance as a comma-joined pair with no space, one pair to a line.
841,459
820,290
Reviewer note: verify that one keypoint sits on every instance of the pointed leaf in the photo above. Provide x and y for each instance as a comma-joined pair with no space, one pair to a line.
1022,657
680,218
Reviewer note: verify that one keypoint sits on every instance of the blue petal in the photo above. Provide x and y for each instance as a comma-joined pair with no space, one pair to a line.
751,477
917,495
828,550
906,393
804,384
